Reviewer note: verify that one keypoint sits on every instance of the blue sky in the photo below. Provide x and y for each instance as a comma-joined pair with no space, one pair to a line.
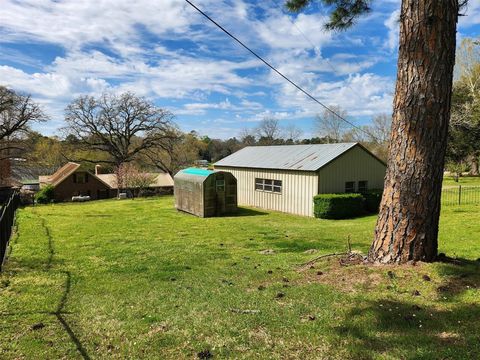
165,51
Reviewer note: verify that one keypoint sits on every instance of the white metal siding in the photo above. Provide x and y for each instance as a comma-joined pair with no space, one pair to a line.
298,189
354,165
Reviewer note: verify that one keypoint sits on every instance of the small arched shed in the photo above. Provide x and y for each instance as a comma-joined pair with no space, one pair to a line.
205,193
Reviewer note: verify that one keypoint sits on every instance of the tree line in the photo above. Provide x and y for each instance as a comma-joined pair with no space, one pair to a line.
118,129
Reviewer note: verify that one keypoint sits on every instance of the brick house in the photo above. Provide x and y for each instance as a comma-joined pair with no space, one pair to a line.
72,180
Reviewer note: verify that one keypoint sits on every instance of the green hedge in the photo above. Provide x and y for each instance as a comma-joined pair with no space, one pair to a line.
372,200
45,195
338,206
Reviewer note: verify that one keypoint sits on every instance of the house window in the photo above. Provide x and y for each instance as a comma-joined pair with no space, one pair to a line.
220,185
268,185
80,178
362,186
350,186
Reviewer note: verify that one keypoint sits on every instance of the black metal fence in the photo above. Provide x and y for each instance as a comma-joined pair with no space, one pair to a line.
7,221
461,195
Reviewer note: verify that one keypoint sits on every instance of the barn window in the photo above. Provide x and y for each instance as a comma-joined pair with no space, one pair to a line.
277,186
350,186
362,186
220,185
268,185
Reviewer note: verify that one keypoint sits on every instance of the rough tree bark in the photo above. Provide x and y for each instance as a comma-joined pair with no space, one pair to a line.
407,226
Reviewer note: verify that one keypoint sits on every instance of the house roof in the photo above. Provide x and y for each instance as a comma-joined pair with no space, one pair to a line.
159,180
60,175
286,157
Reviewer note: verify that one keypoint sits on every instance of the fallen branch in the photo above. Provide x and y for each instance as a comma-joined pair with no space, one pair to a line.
314,260
247,311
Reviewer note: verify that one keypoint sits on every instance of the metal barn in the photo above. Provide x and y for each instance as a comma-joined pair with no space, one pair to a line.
287,177
205,193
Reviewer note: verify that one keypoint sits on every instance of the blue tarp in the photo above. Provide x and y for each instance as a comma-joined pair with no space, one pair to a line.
198,172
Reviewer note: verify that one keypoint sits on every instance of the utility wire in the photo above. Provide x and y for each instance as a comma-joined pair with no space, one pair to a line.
317,50
274,69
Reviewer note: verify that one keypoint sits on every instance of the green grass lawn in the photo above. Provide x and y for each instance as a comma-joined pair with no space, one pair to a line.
136,279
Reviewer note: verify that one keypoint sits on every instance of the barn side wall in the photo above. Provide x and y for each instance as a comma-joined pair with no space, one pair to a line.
189,195
298,189
354,165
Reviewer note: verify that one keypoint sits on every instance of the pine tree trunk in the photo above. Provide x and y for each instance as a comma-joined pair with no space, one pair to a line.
407,226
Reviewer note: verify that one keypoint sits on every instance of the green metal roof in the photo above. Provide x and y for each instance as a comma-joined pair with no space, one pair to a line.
198,172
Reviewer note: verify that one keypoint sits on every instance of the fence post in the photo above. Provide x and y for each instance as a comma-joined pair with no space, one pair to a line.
459,194
7,219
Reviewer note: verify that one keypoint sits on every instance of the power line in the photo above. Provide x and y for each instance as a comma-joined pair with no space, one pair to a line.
274,69
317,50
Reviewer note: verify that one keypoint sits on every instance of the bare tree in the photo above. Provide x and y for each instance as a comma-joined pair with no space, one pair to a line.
467,57
381,128
268,131
375,136
177,151
17,113
330,125
292,132
123,126
247,137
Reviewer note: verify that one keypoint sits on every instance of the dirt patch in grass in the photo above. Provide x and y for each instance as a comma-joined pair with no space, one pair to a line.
353,276
417,279
449,337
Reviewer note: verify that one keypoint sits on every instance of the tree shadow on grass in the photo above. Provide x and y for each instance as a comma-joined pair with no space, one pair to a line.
461,275
51,250
408,331
59,314
241,212
446,328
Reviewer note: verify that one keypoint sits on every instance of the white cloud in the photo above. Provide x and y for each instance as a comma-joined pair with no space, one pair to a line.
472,15
393,26
245,106
299,34
72,23
360,95
126,46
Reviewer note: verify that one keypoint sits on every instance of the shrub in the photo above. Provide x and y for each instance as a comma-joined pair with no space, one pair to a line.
338,206
372,200
45,195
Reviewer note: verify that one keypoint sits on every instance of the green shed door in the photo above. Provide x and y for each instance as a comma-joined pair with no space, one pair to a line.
220,194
